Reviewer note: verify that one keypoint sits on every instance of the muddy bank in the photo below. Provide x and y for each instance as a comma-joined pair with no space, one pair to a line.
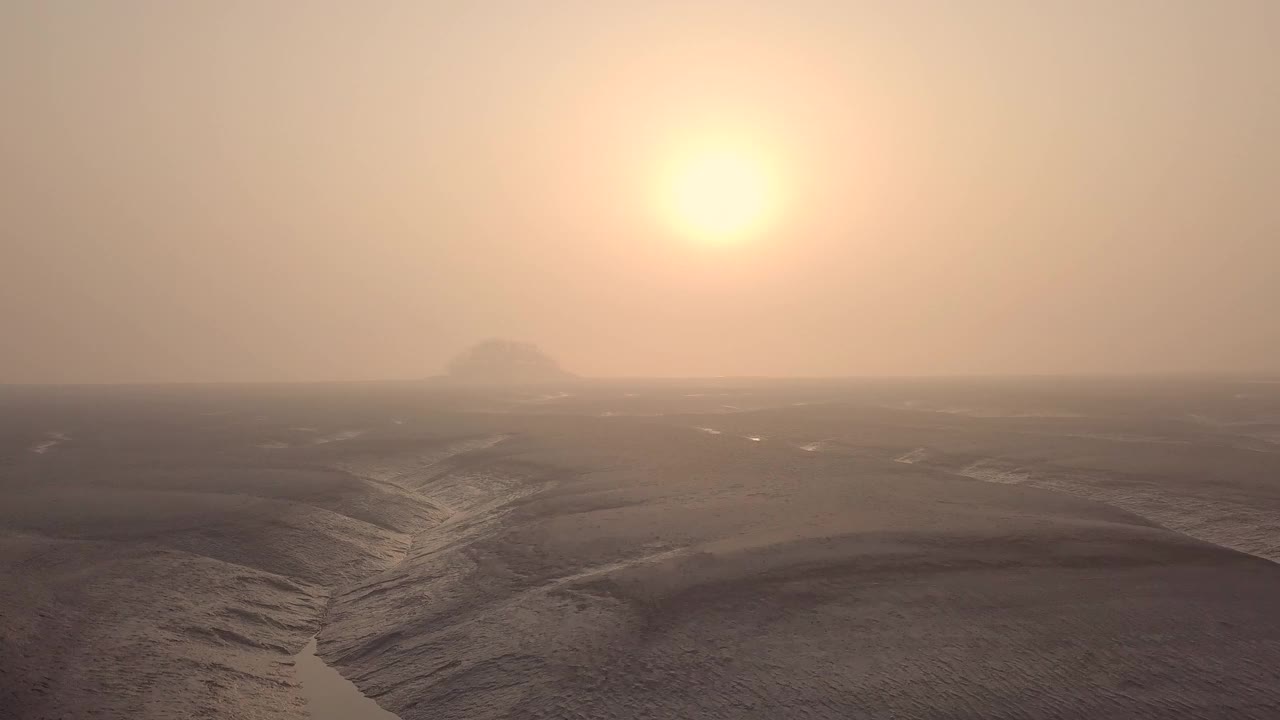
640,551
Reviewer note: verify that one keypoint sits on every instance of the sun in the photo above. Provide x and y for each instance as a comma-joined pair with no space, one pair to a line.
720,192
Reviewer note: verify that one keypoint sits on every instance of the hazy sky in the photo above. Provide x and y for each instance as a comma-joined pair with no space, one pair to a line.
228,190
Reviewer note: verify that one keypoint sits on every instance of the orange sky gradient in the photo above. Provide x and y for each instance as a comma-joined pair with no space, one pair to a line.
236,191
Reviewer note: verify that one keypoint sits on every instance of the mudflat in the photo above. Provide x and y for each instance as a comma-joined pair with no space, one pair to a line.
645,549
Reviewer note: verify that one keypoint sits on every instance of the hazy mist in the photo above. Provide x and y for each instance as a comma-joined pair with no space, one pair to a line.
227,190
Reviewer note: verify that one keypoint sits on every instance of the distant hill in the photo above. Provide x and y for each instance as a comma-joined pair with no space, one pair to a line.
505,361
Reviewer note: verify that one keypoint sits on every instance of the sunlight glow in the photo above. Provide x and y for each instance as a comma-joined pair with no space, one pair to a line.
720,193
